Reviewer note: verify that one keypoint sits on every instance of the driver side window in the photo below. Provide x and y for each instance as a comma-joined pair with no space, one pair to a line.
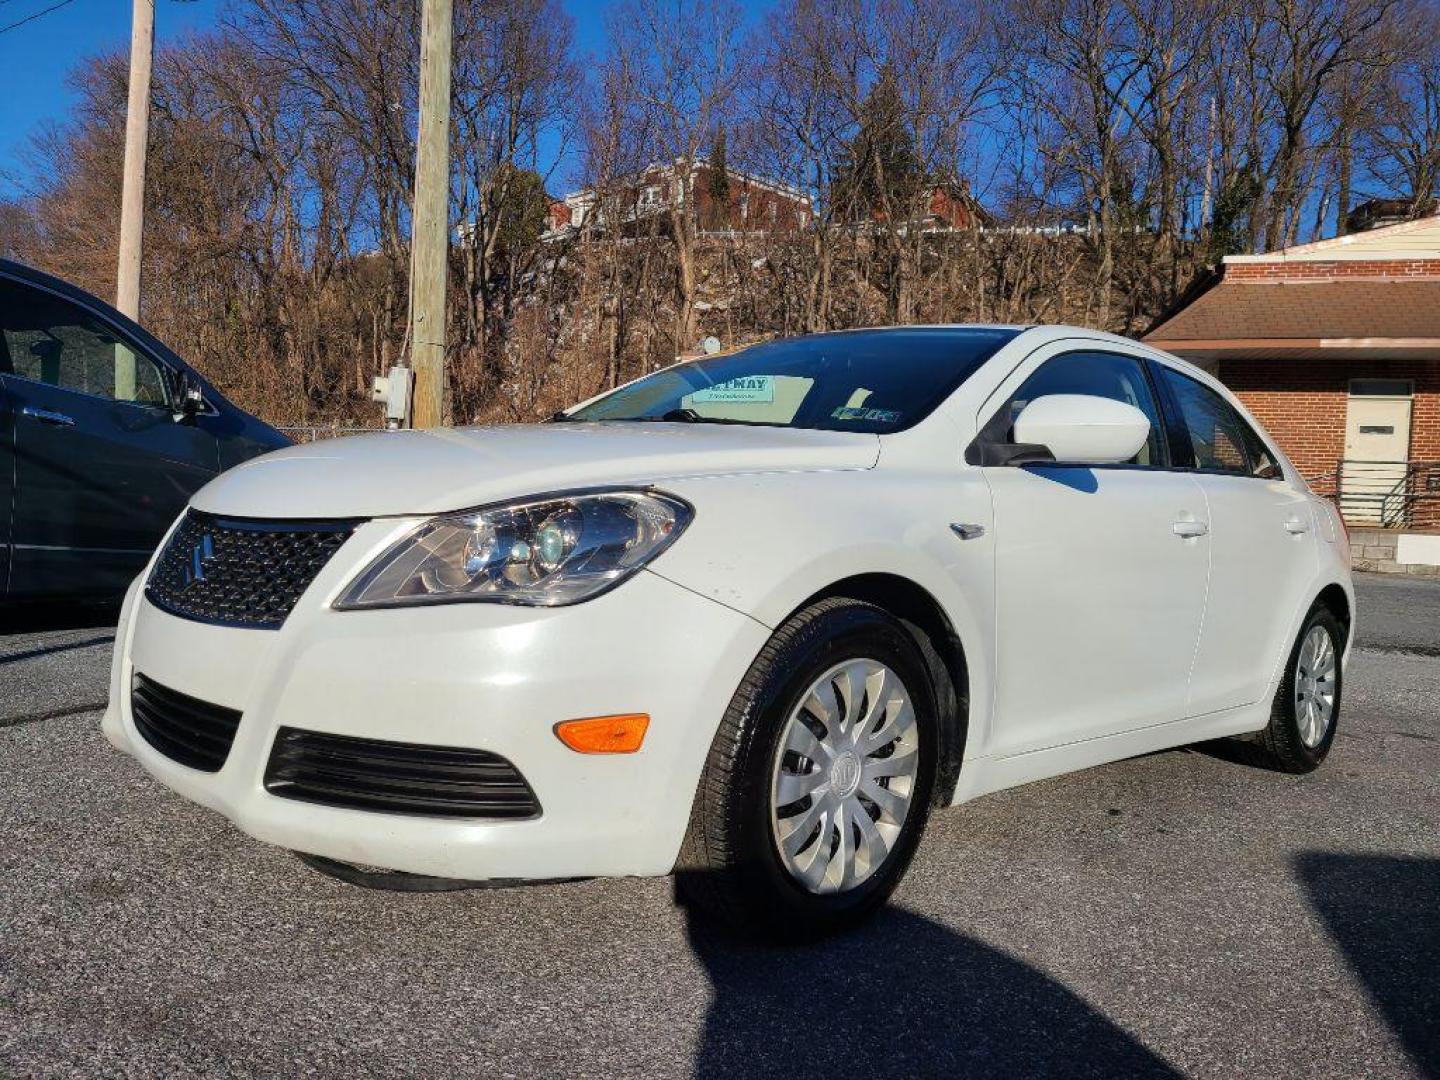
52,341
1098,374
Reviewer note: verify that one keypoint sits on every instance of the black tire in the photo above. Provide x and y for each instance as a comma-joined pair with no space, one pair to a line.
1280,746
729,867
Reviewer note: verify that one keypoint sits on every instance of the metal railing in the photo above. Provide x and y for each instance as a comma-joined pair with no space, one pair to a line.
1384,494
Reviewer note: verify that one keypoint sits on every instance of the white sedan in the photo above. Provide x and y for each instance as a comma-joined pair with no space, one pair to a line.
747,619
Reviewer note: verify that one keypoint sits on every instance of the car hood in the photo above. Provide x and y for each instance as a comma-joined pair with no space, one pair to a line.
444,469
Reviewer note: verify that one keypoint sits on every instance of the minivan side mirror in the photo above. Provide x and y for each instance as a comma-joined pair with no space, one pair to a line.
191,400
1082,429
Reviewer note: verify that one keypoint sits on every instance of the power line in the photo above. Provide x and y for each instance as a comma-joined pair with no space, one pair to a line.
31,18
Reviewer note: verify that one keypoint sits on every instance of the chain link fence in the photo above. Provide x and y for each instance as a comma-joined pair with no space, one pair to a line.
317,432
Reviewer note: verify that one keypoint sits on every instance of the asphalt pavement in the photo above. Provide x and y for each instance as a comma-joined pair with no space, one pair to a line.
1176,914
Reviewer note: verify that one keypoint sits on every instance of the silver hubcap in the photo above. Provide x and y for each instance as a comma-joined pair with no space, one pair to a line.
1315,686
845,776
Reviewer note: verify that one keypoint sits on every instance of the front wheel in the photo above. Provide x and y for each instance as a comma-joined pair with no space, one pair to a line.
818,783
1307,704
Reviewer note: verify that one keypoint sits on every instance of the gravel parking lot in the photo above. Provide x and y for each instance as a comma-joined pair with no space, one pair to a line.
1178,914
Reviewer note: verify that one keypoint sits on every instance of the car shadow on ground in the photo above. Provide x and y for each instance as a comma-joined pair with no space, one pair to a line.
37,617
1384,913
900,996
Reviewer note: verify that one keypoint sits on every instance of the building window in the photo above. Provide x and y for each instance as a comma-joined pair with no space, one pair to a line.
1381,388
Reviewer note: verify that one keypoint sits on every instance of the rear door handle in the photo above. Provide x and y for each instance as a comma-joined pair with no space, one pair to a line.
1297,526
45,416
1190,529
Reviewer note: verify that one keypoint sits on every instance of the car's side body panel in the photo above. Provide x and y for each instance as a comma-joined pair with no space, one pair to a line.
7,483
809,538
1262,571
95,492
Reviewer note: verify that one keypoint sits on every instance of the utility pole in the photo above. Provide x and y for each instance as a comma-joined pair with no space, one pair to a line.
430,218
137,128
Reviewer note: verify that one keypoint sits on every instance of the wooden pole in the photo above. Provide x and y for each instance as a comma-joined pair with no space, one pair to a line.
430,219
137,127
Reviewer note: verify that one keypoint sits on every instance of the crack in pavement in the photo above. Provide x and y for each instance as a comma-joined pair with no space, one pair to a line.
52,714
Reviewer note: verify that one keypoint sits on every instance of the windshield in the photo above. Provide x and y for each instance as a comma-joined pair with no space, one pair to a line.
874,381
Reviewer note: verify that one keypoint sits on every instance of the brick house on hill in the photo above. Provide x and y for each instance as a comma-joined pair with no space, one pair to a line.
753,204
1335,347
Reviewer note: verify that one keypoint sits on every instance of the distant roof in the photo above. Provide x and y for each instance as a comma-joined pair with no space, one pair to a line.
1306,311
587,193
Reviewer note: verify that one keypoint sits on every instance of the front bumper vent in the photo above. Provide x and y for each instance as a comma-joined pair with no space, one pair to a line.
395,777
184,729
241,571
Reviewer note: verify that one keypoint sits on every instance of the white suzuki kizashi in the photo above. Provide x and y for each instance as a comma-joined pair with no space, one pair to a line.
747,619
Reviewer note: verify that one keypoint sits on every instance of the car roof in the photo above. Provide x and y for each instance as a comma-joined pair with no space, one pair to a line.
11,268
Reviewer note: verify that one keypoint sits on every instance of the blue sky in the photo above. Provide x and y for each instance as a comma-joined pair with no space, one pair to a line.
37,57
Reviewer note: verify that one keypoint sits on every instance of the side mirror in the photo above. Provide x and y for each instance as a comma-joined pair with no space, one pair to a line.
191,401
1082,429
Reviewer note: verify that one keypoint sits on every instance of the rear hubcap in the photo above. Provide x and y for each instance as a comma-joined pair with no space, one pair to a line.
1315,686
844,778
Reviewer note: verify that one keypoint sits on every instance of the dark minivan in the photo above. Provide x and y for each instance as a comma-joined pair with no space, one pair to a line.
104,436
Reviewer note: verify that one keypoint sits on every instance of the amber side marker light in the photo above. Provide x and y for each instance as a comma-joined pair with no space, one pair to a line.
604,734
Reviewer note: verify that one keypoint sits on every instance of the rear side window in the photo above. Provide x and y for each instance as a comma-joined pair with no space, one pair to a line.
1218,437
50,340
1099,374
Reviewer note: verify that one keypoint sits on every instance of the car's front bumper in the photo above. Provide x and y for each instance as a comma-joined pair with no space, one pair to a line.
484,676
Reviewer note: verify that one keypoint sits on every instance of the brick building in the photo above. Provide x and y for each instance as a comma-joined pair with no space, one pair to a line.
753,203
946,206
1335,347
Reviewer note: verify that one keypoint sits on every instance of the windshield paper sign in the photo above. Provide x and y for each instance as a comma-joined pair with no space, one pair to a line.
747,388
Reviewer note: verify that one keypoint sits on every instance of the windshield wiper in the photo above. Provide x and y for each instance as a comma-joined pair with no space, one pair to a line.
674,416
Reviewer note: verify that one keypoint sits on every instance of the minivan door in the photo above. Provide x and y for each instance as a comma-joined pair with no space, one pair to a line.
101,465
7,480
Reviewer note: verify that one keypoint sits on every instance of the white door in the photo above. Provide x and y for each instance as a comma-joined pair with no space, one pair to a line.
1263,549
1377,447
1100,573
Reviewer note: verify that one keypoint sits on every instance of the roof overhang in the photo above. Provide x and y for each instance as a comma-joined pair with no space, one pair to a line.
1198,349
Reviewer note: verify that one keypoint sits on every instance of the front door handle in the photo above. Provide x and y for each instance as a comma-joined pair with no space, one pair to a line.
1296,526
1190,529
45,416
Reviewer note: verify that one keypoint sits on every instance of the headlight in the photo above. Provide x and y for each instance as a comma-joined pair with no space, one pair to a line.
546,553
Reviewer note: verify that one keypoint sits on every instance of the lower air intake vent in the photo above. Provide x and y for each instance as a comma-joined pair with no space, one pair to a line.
184,729
396,778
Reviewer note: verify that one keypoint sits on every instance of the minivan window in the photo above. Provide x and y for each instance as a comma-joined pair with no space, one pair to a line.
1098,374
1218,436
863,381
50,340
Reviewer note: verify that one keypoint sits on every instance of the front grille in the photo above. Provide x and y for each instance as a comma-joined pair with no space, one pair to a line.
241,572
184,729
396,778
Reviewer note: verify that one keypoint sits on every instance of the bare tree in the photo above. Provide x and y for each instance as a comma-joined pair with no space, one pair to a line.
682,68
1402,135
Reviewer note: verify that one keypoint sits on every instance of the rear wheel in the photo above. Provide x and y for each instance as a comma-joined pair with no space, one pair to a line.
818,783
1307,704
